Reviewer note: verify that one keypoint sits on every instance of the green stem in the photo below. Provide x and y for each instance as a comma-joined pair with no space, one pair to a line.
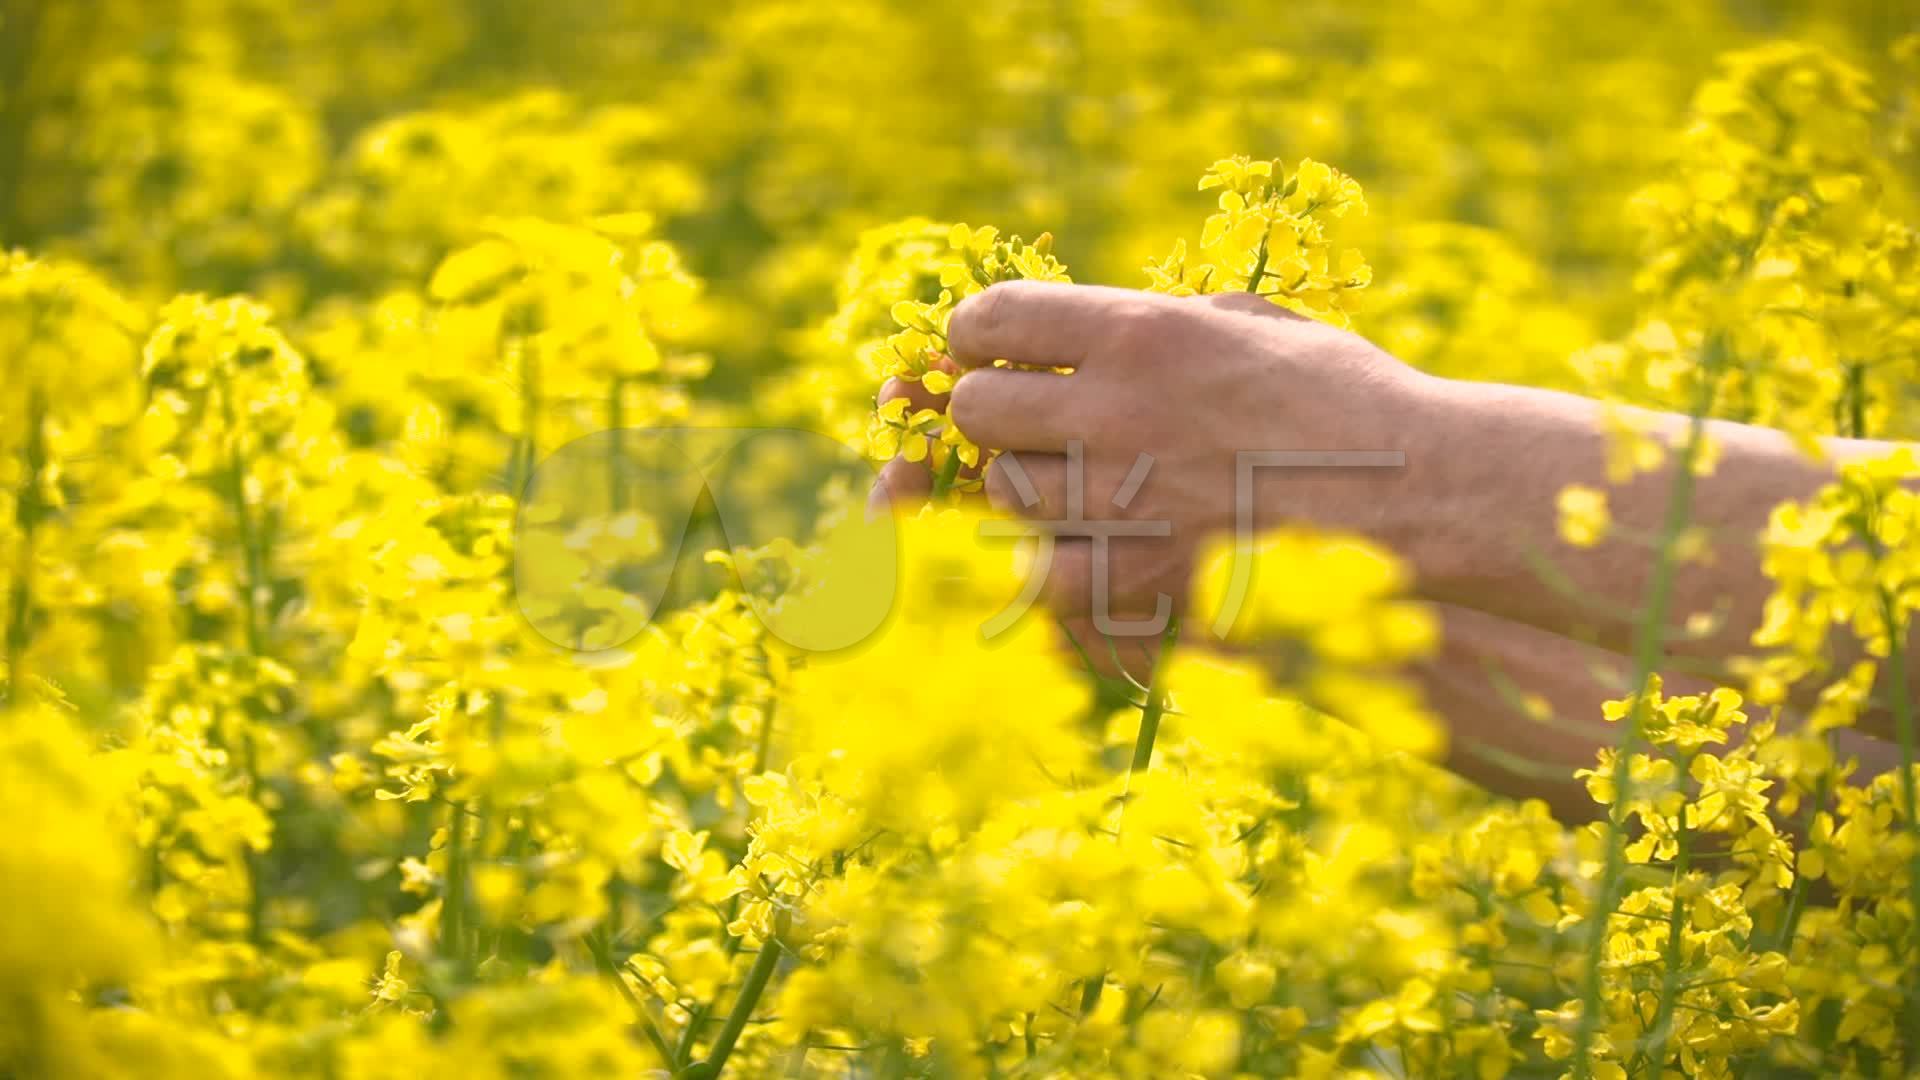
453,909
1903,728
757,978
1797,895
1853,425
252,570
1090,993
1150,714
1796,901
684,1048
1670,976
483,835
256,862
1649,640
764,749
1156,706
616,446
943,480
27,512
1856,399
643,1019
252,574
520,471
1259,268
22,46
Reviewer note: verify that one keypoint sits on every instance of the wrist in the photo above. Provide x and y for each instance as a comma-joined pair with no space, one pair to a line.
1475,512
1388,472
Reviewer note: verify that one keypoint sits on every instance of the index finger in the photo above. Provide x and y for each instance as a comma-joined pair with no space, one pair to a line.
1038,323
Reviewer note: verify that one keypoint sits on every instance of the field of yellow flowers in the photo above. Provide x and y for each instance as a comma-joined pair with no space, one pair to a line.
299,776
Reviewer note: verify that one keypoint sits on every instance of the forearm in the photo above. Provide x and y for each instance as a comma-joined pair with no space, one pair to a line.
1475,512
1522,708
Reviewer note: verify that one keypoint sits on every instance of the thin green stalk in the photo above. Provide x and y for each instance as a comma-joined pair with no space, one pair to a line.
483,833
763,750
454,905
643,1019
508,943
22,46
1670,975
1853,424
616,446
27,511
1796,898
683,1050
1156,706
1903,728
1797,895
943,480
253,575
251,557
1151,711
757,978
1259,268
525,449
256,862
20,609
1649,641
252,569
1090,992
1856,400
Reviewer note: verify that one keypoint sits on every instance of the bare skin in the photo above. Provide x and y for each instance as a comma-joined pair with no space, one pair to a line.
1472,510
1523,706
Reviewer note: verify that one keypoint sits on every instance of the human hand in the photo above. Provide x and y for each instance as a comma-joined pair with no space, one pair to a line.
1147,439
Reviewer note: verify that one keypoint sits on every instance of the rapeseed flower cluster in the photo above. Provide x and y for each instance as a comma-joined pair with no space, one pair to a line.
341,736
